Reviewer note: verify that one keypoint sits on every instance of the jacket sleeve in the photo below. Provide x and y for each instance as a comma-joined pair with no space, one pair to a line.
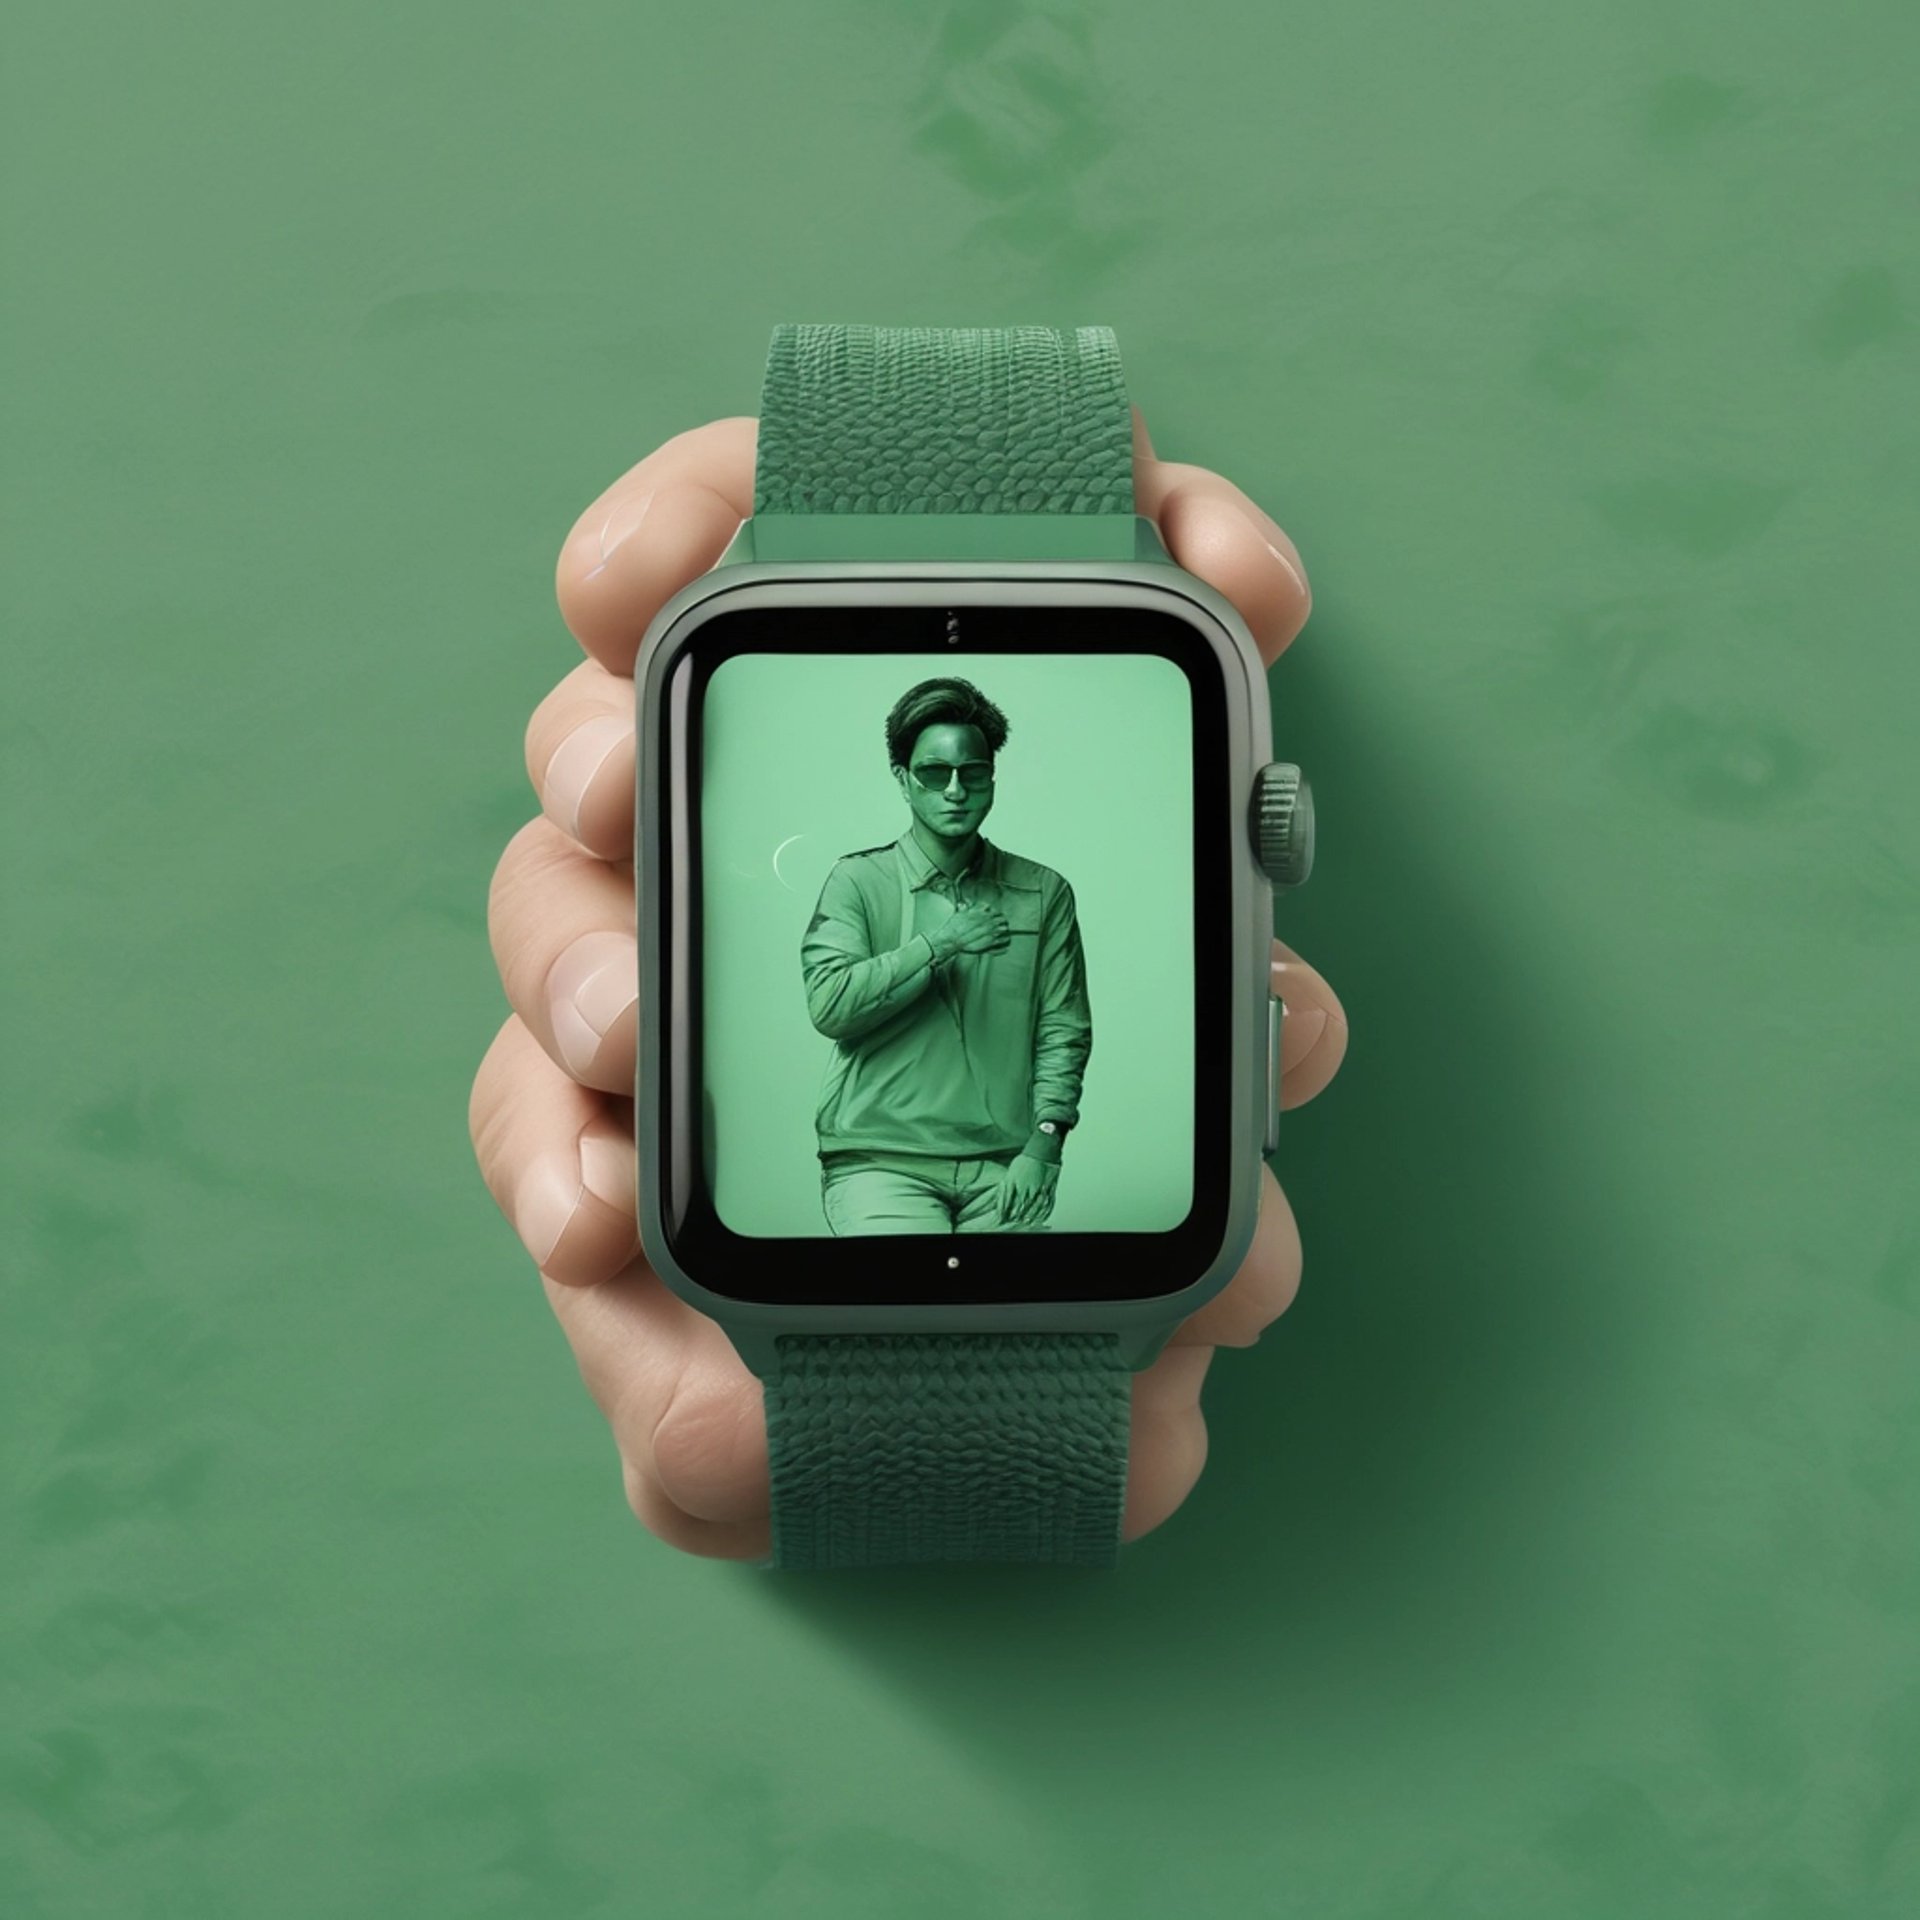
1063,1030
850,988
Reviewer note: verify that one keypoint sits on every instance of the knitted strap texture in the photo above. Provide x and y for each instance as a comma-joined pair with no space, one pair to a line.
944,420
899,1450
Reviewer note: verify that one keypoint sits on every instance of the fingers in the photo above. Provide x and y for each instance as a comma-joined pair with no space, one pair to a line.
562,927
1006,1198
558,1159
1142,445
1265,1286
1169,1446
712,1540
661,524
1024,1208
668,519
557,1152
1313,1032
1169,1443
686,1416
690,1420
580,759
685,1413
1212,529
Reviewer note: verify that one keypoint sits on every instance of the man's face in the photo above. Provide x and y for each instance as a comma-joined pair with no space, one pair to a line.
948,780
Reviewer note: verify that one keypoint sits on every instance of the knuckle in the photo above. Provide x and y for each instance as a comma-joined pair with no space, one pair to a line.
488,1105
641,1497
703,1449
572,698
509,871
1167,1456
536,845
534,852
654,1508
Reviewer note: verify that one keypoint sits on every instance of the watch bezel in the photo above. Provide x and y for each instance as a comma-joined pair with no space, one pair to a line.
662,849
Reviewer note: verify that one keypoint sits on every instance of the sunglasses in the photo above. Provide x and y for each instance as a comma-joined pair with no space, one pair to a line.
937,775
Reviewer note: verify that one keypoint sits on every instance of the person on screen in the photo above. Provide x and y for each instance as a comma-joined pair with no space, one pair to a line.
949,975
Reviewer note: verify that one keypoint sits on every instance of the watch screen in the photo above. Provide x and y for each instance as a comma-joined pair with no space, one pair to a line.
946,979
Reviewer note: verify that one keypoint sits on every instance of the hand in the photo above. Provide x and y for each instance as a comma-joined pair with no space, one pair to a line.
1026,1194
977,929
551,1112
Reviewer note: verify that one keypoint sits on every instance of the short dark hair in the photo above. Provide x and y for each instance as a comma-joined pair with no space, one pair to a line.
942,703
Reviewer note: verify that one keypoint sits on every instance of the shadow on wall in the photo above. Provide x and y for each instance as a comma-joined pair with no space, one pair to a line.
1393,1496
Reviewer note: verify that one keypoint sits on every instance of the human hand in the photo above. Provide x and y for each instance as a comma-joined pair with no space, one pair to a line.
551,1110
975,929
1026,1194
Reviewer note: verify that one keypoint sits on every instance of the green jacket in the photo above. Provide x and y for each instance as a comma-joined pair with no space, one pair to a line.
959,1058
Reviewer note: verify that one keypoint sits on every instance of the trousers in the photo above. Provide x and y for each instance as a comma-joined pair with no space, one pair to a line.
913,1193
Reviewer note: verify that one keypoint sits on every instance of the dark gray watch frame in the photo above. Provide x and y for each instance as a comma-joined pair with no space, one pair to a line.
1141,1325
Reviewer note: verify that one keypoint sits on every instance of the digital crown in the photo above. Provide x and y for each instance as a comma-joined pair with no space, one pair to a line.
1282,824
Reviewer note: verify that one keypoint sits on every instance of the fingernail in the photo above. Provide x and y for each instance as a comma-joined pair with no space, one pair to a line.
622,521
591,985
1300,1034
607,1170
1270,538
575,761
545,1201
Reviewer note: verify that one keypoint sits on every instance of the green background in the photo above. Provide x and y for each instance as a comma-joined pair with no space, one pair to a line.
1096,782
1558,1550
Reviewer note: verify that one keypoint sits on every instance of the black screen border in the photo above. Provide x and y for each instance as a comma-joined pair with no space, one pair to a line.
907,1269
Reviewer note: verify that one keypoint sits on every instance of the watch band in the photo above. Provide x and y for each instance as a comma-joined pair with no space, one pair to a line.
905,1449
944,420
891,1449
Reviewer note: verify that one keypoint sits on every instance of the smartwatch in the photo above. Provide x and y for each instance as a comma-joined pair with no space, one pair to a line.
957,834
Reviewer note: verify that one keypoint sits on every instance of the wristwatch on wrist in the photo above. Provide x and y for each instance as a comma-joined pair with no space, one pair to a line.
945,608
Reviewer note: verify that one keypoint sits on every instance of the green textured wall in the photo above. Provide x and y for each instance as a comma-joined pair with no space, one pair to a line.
1558,1553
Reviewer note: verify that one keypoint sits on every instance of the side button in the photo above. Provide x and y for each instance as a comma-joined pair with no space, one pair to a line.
1276,1010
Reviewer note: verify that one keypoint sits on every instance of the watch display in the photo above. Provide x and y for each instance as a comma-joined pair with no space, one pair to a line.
953,954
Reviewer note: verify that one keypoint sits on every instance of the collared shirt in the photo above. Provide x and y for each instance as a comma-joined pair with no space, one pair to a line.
960,1058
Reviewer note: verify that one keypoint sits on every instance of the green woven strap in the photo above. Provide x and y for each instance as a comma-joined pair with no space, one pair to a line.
898,1450
892,1450
944,420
